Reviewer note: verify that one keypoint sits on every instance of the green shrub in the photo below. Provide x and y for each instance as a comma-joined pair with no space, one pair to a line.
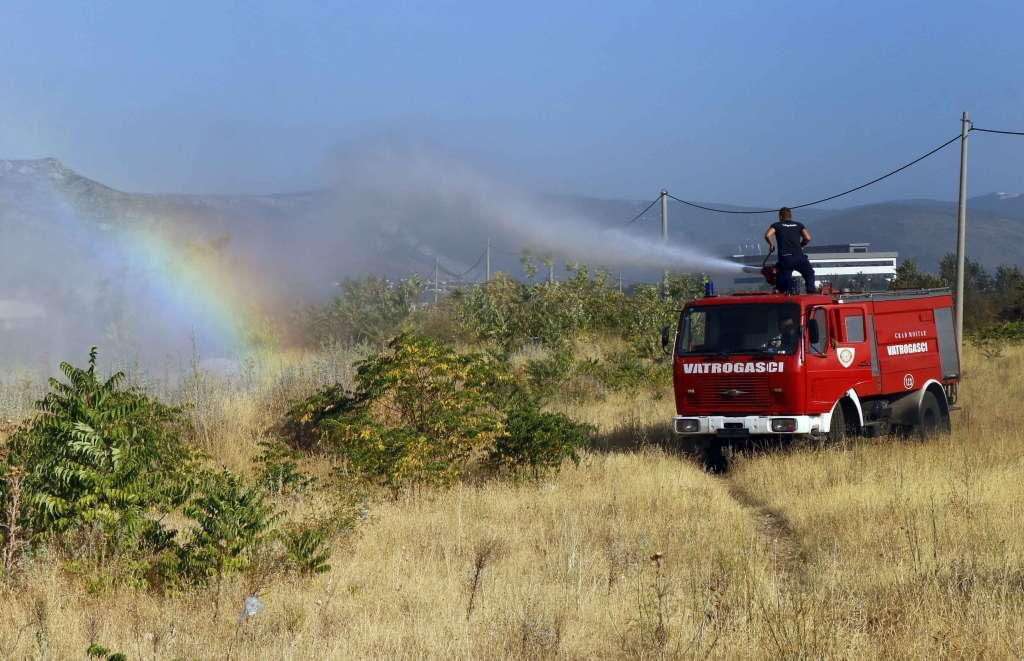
307,550
233,521
279,473
422,412
369,309
546,375
303,424
97,651
426,412
626,370
512,313
535,442
98,459
992,340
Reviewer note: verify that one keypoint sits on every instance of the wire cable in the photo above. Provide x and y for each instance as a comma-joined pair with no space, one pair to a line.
830,197
646,209
467,271
884,176
716,210
974,128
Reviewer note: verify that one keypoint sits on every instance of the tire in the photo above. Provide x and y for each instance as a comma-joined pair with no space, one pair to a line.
839,429
710,454
931,420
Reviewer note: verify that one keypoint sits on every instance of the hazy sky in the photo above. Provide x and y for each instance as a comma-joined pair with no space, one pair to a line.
749,102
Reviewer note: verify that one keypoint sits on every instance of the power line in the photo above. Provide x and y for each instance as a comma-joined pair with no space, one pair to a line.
646,209
830,197
467,271
974,128
701,206
884,176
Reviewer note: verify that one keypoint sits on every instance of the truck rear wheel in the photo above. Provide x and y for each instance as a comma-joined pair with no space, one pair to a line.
931,419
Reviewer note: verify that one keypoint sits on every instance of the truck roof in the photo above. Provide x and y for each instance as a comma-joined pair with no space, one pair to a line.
819,299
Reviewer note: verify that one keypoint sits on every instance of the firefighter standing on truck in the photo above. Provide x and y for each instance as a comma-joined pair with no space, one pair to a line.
790,237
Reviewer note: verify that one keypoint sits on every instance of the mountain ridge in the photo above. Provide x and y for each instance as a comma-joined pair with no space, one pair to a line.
995,220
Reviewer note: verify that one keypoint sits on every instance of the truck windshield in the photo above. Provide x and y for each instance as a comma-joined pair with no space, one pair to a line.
772,328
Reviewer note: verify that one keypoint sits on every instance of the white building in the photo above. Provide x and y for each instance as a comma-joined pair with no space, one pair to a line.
844,266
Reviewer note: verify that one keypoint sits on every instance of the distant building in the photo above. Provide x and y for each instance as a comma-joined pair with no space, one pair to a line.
844,266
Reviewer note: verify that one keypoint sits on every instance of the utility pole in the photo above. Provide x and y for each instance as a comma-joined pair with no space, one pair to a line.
551,272
436,284
961,232
488,259
664,238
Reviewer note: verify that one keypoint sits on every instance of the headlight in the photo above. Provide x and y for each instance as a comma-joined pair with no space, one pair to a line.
687,425
783,425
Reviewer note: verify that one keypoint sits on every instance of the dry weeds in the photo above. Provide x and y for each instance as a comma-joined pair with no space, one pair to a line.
902,549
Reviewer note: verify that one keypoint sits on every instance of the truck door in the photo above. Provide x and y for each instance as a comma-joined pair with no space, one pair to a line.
841,357
857,349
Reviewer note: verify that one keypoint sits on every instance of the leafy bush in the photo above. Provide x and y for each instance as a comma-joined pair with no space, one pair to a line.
232,520
626,370
97,651
536,442
512,313
97,458
369,309
279,473
992,340
307,550
424,412
546,375
303,424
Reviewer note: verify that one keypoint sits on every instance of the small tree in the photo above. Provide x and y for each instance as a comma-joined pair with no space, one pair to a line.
369,309
422,412
535,442
909,276
98,457
232,522
428,411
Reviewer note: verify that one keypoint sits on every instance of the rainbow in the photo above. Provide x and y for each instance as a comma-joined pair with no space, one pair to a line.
191,286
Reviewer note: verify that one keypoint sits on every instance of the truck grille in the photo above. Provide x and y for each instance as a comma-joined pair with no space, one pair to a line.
731,393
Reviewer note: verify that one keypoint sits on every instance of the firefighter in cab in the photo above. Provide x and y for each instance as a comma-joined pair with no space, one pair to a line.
790,237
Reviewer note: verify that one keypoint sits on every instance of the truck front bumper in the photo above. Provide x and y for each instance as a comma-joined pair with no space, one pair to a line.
748,425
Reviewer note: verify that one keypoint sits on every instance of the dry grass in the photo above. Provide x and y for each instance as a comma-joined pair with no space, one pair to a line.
560,568
884,548
917,548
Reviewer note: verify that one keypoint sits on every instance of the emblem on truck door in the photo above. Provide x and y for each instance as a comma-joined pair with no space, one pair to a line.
846,356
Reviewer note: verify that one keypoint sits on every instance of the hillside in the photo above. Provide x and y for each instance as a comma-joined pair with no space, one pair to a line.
315,227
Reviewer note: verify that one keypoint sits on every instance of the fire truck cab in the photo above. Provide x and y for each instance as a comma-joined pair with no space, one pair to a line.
830,365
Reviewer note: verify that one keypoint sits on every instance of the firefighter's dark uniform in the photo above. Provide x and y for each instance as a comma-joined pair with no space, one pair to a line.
789,239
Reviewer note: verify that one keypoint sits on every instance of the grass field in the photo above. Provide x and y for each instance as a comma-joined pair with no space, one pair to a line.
882,548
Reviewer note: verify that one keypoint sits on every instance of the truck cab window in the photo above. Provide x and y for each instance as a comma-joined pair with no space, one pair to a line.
692,336
820,342
750,329
855,328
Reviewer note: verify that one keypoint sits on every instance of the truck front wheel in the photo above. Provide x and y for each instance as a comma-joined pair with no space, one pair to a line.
839,428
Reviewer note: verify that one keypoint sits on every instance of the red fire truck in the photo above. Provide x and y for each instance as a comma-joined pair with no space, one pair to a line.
828,365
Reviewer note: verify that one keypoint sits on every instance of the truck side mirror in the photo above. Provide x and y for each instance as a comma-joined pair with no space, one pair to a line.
666,336
813,331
